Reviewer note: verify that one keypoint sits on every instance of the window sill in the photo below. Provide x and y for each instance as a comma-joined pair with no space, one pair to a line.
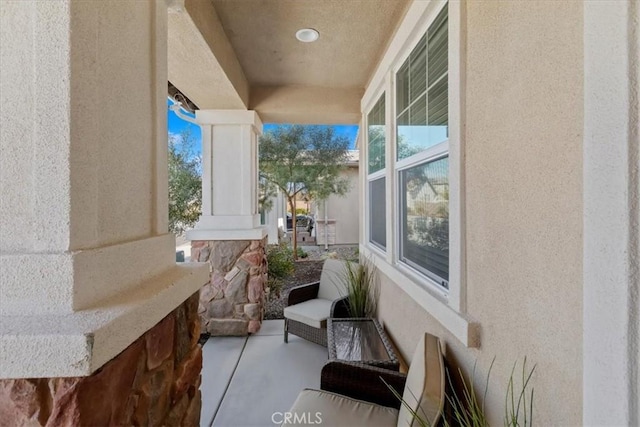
466,331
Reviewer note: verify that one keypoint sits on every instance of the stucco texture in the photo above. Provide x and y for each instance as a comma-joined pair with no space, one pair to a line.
112,149
78,155
523,166
343,209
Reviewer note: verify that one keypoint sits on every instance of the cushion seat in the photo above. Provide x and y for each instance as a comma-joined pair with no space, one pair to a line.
337,410
314,312
423,394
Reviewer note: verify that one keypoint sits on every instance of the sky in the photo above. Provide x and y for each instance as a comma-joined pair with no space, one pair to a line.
177,125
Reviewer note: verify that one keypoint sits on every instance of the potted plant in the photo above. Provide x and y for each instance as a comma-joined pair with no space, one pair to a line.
362,292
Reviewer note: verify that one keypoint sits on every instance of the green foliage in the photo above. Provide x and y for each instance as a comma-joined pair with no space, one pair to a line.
301,253
266,191
362,293
275,288
302,211
304,160
418,418
468,411
377,141
280,261
185,182
518,413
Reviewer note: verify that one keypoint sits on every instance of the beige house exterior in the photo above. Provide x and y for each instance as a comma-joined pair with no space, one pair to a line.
337,219
542,146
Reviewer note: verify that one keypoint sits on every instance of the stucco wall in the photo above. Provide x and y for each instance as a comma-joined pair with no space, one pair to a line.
75,170
83,166
343,209
523,165
34,128
123,185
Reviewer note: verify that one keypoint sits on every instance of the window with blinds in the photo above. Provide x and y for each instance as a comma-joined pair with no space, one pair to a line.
422,112
375,131
376,174
422,92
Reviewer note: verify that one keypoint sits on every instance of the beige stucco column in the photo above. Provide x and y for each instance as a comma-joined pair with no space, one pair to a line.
611,293
86,262
229,176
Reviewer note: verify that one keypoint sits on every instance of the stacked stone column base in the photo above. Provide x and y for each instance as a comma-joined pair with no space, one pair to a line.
232,303
154,381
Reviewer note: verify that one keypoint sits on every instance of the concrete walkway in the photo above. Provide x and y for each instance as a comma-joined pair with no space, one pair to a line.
246,380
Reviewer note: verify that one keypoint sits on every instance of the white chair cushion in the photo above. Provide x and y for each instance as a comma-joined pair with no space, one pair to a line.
332,283
336,411
424,389
313,312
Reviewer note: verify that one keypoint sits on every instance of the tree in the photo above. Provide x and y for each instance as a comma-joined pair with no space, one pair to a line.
304,160
185,182
377,142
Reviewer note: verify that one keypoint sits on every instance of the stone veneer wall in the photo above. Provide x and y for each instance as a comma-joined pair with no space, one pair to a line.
155,381
232,303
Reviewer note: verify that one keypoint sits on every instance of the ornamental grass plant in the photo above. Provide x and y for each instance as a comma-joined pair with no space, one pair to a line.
467,410
362,291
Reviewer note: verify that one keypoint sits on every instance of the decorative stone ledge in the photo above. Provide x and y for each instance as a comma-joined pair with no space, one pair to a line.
154,381
78,344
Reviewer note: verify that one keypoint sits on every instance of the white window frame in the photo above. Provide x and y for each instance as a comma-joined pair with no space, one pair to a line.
447,306
382,173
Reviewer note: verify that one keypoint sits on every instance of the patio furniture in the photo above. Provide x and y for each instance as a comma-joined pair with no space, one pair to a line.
360,340
309,306
354,394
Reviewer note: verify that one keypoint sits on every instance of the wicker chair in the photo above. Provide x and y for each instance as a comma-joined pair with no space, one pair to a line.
353,393
309,306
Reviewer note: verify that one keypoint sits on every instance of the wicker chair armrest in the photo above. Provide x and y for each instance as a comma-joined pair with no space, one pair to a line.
364,382
303,293
340,308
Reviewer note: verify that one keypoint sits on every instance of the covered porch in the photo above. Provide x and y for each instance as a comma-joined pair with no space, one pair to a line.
532,183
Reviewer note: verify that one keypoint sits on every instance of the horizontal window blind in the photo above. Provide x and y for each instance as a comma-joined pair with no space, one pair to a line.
422,92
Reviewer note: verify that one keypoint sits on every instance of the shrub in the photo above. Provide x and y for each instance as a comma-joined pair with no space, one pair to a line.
280,261
302,253
275,289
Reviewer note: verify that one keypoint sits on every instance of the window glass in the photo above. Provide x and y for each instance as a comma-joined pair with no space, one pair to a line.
376,134
425,218
377,210
422,92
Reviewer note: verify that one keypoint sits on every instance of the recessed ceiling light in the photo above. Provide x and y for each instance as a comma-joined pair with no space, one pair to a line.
307,35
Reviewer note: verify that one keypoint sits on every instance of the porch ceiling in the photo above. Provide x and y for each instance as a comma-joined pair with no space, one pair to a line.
291,81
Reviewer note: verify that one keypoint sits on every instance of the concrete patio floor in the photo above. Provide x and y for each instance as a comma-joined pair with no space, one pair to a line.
245,380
